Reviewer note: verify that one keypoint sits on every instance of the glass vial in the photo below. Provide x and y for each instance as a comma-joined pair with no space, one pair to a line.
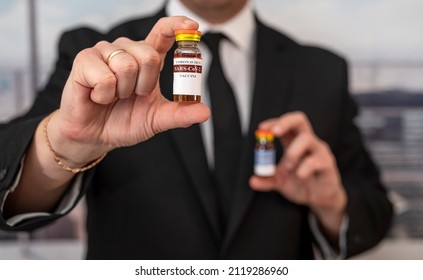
264,154
187,67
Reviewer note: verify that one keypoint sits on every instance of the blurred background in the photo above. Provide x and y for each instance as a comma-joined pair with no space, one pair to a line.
381,39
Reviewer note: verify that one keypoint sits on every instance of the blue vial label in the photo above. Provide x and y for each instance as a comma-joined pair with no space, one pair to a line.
264,157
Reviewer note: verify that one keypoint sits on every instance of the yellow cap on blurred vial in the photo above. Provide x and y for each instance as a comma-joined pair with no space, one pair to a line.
264,133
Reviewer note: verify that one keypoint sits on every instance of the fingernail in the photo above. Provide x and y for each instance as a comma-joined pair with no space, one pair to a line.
188,21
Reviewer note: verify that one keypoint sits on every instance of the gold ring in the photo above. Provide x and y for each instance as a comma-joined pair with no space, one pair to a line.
113,54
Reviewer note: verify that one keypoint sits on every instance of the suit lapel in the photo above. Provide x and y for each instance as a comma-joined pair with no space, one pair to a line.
272,74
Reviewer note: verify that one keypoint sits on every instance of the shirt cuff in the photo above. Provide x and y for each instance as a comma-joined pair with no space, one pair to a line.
67,202
328,252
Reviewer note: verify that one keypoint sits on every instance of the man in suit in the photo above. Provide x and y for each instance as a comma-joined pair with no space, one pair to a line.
148,169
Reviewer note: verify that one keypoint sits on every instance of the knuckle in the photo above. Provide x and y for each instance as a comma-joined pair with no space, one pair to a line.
84,54
128,67
325,146
162,21
302,175
103,92
121,41
303,119
329,158
307,141
101,44
108,81
151,60
301,115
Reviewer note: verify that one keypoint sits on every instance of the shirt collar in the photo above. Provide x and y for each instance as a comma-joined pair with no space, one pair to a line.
239,29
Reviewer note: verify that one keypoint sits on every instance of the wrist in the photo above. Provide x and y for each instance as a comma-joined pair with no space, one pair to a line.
70,155
330,216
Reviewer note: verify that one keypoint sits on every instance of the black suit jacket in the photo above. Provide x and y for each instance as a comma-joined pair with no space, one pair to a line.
156,199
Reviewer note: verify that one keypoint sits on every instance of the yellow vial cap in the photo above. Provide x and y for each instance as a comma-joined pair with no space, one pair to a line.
264,133
187,35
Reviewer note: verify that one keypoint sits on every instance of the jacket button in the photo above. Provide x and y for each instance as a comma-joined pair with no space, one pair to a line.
3,173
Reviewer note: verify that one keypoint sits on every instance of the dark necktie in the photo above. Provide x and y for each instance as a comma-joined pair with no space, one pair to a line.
226,126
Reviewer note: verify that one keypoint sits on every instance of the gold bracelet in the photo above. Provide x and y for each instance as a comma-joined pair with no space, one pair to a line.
58,159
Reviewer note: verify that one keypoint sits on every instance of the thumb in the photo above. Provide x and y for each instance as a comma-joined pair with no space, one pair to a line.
179,115
263,184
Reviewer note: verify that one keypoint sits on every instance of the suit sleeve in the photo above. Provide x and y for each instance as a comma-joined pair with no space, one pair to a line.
16,136
368,209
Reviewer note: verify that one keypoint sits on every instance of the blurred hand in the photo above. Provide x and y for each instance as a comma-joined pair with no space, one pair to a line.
307,173
110,103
